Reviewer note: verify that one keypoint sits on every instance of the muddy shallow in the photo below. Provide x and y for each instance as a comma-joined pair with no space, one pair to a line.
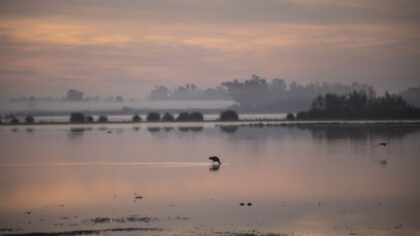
157,180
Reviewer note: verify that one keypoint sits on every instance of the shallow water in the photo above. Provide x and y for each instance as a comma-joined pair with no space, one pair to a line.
311,180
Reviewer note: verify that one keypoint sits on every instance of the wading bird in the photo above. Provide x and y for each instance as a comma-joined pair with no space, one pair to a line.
215,160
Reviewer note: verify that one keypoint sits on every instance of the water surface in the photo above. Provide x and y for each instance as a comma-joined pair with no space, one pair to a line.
309,180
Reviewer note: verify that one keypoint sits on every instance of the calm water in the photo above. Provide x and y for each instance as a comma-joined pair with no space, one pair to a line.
318,180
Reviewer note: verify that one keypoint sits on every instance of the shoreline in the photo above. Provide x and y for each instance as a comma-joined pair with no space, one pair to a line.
243,123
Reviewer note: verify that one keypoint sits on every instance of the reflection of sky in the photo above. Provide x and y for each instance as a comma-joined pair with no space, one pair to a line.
284,172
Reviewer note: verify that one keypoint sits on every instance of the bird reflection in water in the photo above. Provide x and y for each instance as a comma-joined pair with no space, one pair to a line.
214,167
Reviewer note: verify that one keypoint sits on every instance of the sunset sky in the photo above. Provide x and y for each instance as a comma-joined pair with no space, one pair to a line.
125,47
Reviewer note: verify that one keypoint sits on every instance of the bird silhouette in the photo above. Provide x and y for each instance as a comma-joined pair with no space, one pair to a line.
214,168
382,144
215,160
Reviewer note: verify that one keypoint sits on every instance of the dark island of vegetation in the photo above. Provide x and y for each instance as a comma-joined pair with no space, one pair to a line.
359,105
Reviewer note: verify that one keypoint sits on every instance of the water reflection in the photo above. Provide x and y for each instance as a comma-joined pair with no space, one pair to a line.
153,129
303,180
167,129
361,131
77,132
190,128
228,128
29,130
214,167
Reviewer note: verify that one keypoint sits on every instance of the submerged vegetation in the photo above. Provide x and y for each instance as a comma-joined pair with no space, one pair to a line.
360,105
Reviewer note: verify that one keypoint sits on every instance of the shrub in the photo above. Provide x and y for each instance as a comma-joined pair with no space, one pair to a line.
14,120
136,118
89,119
102,119
229,115
183,116
168,117
153,116
29,119
196,116
290,116
301,115
77,117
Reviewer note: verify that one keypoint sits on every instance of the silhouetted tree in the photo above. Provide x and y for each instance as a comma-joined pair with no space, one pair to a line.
77,117
229,115
188,92
103,119
168,117
412,96
183,116
290,116
136,118
74,95
14,120
29,119
196,116
159,93
301,115
119,99
153,116
360,104
89,119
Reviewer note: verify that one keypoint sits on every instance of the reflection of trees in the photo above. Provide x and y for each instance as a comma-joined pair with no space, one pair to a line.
191,128
77,132
229,129
167,129
357,132
153,129
29,130
322,132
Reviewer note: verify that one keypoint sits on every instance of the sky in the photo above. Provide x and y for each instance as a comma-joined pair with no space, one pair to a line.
125,47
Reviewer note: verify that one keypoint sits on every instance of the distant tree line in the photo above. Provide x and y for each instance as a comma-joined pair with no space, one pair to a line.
78,117
229,115
188,92
12,119
72,95
412,96
258,94
359,104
